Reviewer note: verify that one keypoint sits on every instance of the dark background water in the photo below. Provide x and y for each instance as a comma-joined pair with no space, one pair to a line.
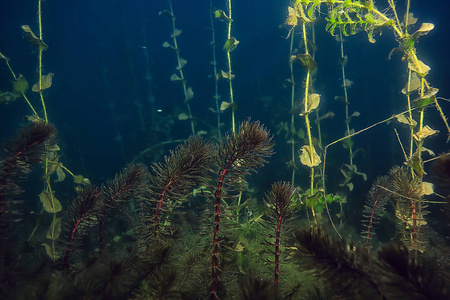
97,51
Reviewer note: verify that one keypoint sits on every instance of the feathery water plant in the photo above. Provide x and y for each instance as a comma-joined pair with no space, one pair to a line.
27,149
239,155
126,186
280,201
81,216
171,181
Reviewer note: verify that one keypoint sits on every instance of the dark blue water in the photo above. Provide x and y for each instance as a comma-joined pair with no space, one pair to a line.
100,104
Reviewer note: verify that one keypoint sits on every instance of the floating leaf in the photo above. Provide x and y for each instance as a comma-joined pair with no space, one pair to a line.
8,97
406,120
189,94
221,15
340,98
355,114
429,151
20,85
230,44
183,116
181,63
350,186
329,114
430,92
292,19
54,230
176,32
51,251
52,167
223,74
309,156
347,143
307,61
175,77
424,133
411,19
46,82
227,105
416,164
51,204
302,14
413,85
419,67
347,83
33,118
168,45
313,103
33,39
60,173
79,179
167,13
423,30
343,61
427,188
423,102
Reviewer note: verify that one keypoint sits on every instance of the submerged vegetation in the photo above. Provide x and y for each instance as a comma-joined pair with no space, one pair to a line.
192,225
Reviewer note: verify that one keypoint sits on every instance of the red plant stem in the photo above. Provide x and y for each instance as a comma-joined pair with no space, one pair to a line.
69,244
414,220
371,220
277,250
214,263
157,213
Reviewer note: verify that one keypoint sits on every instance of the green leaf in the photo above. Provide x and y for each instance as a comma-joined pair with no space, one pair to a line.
307,61
51,251
79,179
54,230
230,44
221,15
51,204
60,173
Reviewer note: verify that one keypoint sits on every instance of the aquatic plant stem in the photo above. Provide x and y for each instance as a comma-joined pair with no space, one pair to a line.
40,61
308,125
15,78
214,63
291,68
350,149
180,69
230,20
47,186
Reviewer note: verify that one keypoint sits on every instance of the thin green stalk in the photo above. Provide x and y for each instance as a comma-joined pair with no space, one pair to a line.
180,69
350,149
214,63
291,68
230,20
307,122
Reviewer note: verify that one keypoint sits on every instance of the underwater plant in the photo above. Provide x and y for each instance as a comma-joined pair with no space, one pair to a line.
81,216
376,202
229,46
171,182
280,201
27,149
187,91
239,155
126,186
